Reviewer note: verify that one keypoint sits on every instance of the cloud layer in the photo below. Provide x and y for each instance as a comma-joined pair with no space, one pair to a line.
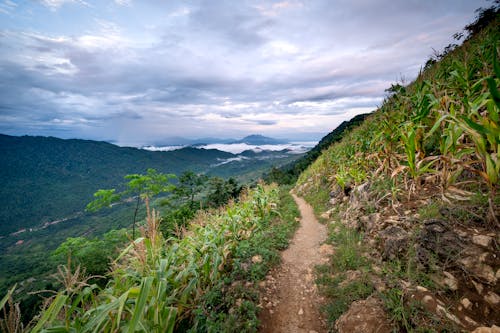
137,71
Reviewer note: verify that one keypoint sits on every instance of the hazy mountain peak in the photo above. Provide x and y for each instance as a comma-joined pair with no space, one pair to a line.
257,139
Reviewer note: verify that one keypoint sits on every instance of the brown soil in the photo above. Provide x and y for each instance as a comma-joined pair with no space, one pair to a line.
290,298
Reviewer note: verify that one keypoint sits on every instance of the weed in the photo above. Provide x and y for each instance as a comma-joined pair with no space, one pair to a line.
341,296
348,248
430,211
411,315
332,278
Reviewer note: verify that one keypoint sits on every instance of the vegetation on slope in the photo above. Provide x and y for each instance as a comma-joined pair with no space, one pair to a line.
99,234
289,173
202,280
443,128
411,196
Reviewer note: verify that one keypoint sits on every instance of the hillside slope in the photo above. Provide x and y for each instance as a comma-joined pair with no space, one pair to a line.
288,173
411,198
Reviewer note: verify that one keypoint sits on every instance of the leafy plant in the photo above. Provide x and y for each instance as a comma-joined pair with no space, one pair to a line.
157,283
143,186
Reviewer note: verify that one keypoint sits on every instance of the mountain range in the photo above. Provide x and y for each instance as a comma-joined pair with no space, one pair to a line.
253,139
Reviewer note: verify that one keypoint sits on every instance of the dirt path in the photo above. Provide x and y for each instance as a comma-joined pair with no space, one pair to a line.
290,297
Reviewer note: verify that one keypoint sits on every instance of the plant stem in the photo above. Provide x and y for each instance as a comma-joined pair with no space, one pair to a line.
135,215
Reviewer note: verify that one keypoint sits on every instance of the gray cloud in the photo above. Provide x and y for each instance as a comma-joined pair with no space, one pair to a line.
231,21
207,68
266,122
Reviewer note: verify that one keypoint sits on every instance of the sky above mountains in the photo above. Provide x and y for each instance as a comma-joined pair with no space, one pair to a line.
133,72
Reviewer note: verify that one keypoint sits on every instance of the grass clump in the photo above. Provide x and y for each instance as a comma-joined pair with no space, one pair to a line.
346,278
348,249
411,316
341,294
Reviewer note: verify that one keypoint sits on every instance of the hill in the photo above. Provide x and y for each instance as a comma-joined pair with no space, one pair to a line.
411,199
288,173
45,178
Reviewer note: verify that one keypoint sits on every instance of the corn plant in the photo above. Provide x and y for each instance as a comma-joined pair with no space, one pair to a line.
416,164
11,321
156,283
385,143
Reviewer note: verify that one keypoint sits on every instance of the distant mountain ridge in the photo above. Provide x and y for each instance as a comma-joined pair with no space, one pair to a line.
256,139
253,139
45,178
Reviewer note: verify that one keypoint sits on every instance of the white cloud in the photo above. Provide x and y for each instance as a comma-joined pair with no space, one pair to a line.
56,4
7,6
206,68
124,2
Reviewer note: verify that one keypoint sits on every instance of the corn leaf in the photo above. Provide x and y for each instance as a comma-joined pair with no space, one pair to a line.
6,297
140,303
51,313
495,94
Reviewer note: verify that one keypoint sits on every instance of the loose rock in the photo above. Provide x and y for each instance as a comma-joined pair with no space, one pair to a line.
450,281
466,303
482,240
364,316
257,259
395,242
492,329
492,298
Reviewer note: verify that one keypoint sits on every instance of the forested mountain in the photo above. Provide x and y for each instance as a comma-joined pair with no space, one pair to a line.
45,178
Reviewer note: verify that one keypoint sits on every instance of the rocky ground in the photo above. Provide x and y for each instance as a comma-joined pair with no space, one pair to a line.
448,267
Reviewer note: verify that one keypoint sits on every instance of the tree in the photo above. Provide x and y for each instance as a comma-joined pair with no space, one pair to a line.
141,186
91,253
484,17
220,191
189,185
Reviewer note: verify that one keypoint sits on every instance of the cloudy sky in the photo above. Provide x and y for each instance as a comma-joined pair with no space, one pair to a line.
138,71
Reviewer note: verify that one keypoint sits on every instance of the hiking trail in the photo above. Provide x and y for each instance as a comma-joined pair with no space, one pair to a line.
290,297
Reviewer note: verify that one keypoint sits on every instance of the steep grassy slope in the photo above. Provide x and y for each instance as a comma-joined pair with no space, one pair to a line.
412,200
288,173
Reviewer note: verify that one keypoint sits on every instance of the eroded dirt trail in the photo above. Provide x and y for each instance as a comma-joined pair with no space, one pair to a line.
290,300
